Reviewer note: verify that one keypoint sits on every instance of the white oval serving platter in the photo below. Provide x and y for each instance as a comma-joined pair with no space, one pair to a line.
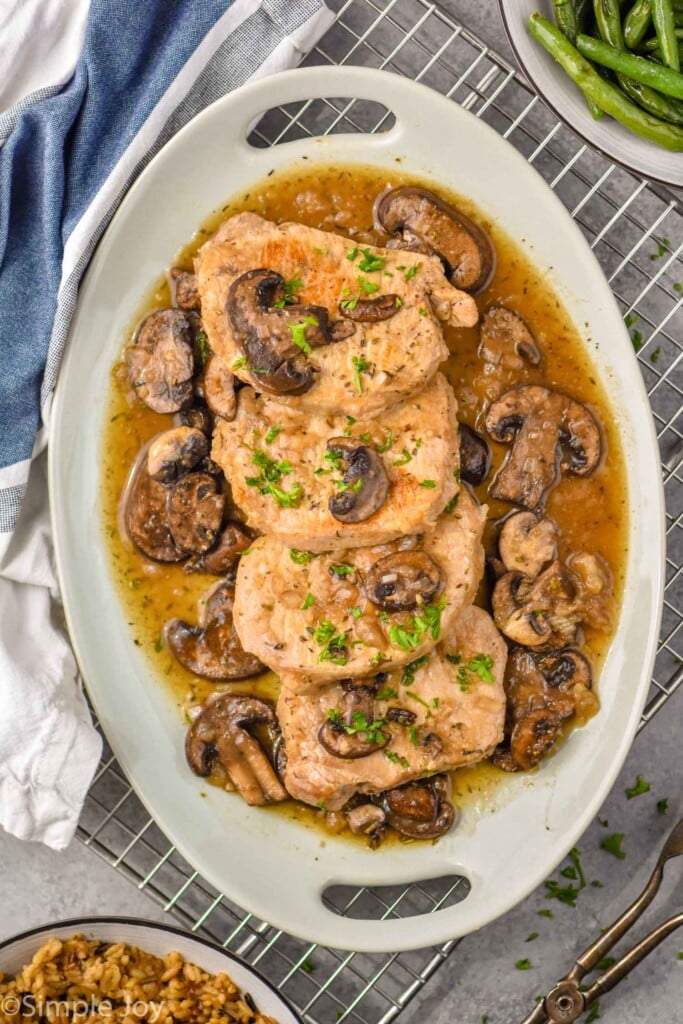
271,865
159,940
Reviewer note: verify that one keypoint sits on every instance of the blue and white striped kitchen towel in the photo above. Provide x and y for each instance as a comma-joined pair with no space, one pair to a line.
96,89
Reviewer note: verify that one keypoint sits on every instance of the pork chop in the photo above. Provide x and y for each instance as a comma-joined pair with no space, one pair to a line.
380,363
417,442
312,614
437,714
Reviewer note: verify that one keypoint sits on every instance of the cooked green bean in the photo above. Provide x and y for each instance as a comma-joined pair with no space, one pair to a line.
643,70
637,23
608,20
652,101
665,27
653,44
607,96
565,16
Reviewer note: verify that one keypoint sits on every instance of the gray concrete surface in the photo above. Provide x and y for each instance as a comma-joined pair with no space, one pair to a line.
480,981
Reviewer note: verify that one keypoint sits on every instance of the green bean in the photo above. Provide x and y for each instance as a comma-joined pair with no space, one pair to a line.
608,20
643,70
607,96
565,16
653,102
653,44
663,19
637,22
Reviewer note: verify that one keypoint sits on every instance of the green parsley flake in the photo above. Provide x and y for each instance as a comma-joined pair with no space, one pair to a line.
412,271
594,1012
359,724
309,600
408,675
320,252
355,612
662,248
352,254
405,458
273,433
605,963
530,938
662,806
414,696
612,844
333,644
567,894
290,290
637,340
431,484
300,557
238,363
387,443
426,621
341,569
269,479
422,311
370,262
654,358
396,759
640,787
386,693
368,287
523,965
546,913
203,346
298,332
360,365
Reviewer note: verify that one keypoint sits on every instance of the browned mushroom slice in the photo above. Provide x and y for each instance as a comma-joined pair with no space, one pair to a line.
195,512
365,484
366,820
430,225
175,452
475,456
420,810
401,581
184,289
506,340
161,361
526,543
567,669
275,340
213,649
223,556
533,737
143,507
539,613
219,743
198,417
550,433
351,730
219,388
371,311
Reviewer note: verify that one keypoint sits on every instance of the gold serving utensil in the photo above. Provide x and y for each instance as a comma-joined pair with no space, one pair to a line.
566,1002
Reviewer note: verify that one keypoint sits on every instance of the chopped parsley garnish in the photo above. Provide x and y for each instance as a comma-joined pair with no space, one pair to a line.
238,363
412,271
203,346
631,318
350,420
546,913
451,504
359,724
159,644
523,965
414,696
594,1013
368,287
309,600
612,844
300,557
269,479
335,459
637,340
605,963
352,254
290,290
396,759
654,358
431,484
340,569
370,262
353,485
412,733
273,433
349,303
567,894
530,938
480,665
678,287
662,247
662,806
386,693
408,675
405,458
386,443
308,967
640,787
333,644
320,252
360,365
298,332
377,658
426,621
355,612
422,311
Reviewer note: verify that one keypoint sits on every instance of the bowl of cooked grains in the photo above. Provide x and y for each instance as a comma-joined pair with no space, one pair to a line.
121,970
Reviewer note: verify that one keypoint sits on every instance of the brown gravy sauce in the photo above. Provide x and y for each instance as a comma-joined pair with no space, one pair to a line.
592,513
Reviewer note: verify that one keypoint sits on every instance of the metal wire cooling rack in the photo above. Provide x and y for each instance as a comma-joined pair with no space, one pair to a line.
635,230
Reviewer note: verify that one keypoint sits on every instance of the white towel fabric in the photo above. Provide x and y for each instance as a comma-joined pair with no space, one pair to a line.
49,748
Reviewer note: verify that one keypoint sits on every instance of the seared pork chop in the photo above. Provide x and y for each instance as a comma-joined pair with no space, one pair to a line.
417,442
379,363
354,612
444,712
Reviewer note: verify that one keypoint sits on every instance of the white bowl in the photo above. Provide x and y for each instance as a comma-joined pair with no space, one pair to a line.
566,99
154,938
270,864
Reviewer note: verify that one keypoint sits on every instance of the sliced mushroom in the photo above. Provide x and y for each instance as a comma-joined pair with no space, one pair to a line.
198,417
527,542
195,512
223,556
365,481
265,333
219,742
550,433
506,340
420,810
428,224
213,649
161,361
144,515
371,311
403,580
537,613
366,819
566,669
175,452
533,737
219,388
475,455
184,289
344,735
